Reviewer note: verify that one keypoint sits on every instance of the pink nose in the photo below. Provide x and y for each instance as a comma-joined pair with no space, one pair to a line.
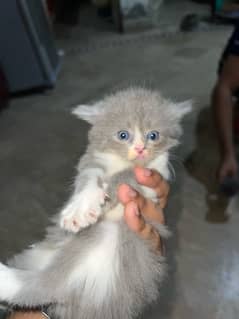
139,148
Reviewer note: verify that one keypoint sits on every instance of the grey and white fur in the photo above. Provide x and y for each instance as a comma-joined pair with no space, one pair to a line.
90,265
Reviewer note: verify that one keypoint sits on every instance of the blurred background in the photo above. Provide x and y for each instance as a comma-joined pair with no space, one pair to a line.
56,54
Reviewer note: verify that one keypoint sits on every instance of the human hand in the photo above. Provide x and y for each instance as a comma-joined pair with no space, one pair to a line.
228,168
137,208
27,315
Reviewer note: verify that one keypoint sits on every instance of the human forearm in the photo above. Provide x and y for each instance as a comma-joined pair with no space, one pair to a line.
223,113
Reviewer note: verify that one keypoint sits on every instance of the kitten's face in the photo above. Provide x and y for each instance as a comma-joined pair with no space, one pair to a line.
135,124
137,144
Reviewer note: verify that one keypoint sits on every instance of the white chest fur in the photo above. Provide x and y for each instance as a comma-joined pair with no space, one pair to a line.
112,163
160,163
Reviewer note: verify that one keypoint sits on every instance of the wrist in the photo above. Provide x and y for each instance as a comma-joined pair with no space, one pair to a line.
228,151
229,155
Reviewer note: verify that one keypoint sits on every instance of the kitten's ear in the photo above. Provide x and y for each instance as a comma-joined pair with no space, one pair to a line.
183,108
89,113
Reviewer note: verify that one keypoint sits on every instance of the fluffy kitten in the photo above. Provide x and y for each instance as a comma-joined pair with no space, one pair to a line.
104,271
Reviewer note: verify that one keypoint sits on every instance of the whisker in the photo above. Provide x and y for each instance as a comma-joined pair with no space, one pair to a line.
172,171
175,158
172,158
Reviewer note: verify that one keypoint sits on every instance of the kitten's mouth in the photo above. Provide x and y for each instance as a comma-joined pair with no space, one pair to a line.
141,156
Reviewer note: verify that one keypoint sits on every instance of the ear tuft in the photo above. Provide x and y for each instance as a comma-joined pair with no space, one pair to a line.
89,113
183,108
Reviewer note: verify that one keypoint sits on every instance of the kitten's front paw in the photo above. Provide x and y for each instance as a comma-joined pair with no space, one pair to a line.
79,220
83,211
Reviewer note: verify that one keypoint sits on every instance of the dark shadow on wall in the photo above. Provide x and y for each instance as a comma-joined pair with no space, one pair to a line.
202,165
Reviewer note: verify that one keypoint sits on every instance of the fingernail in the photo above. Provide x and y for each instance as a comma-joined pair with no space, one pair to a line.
136,211
147,172
132,193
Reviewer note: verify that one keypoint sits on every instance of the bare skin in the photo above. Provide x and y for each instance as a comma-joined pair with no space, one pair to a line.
230,7
222,101
27,315
136,208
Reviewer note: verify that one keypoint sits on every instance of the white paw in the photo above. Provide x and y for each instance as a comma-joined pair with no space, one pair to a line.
83,211
80,219
10,284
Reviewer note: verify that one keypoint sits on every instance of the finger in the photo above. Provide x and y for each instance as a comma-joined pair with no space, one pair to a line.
153,179
149,209
163,202
126,193
133,217
136,223
134,202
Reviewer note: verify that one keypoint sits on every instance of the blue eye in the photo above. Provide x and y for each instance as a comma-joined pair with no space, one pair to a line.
153,135
123,135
